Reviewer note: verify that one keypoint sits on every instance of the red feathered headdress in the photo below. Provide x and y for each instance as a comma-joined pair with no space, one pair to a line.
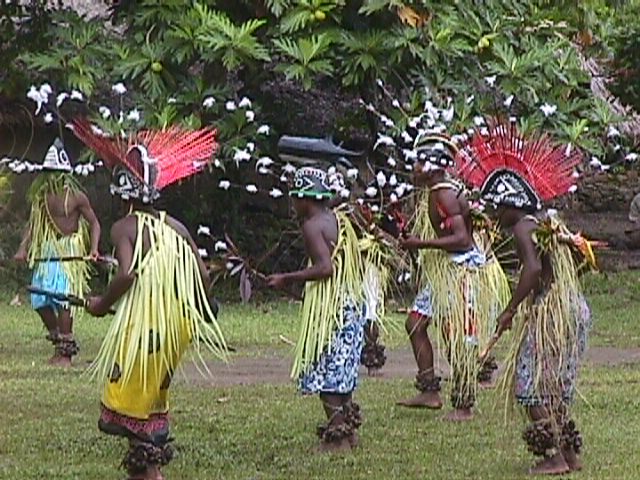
154,158
516,171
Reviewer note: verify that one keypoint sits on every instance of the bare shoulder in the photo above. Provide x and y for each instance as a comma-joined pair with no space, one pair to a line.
124,228
178,226
448,198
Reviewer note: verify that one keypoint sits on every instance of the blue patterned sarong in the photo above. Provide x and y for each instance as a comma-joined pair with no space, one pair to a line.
49,276
423,304
337,369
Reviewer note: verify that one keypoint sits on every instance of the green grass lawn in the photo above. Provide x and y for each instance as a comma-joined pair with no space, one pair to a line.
48,416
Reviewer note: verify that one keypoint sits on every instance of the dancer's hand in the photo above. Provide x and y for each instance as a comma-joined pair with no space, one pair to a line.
94,307
94,255
277,280
411,242
504,322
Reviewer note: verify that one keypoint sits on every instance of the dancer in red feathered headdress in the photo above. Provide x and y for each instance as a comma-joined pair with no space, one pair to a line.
516,174
160,290
460,282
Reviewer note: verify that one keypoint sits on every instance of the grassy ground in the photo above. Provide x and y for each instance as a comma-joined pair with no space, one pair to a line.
48,416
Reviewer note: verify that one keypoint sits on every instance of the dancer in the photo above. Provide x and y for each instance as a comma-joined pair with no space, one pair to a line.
61,224
516,174
330,342
159,288
460,284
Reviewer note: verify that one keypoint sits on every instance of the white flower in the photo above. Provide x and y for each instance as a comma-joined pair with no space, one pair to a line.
352,173
263,170
283,179
384,140
491,81
134,115
613,132
469,99
61,98
208,102
263,130
275,193
371,192
204,230
230,106
604,168
104,111
391,162
251,146
241,155
250,115
508,101
244,103
617,147
573,189
631,157
393,180
229,265
381,179
45,90
387,121
172,100
408,167
344,193
35,95
400,189
447,115
217,163
406,137
375,208
360,201
478,121
552,212
379,83
548,109
220,246
77,95
224,184
48,118
575,174
395,103
410,155
413,123
288,168
203,252
251,188
331,170
119,88
264,162
595,162
393,197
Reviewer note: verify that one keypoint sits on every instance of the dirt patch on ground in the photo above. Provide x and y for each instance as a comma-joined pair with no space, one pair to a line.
274,369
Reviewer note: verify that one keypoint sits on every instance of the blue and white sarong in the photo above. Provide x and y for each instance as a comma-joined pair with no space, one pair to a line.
336,371
423,303
49,276
562,380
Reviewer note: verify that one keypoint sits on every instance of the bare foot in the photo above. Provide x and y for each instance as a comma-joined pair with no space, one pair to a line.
430,400
332,447
354,440
572,460
60,361
374,372
555,465
459,415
